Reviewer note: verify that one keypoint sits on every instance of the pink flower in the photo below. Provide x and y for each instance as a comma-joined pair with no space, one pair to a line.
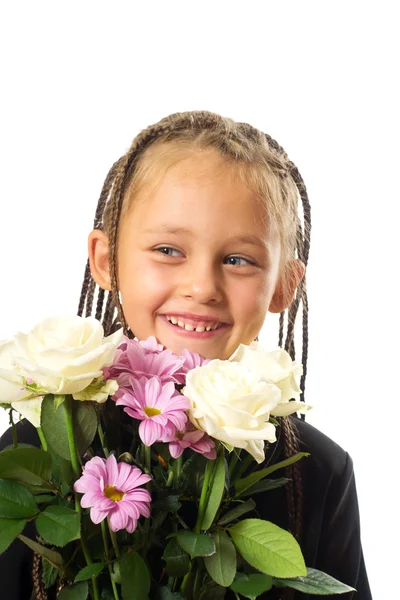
159,407
112,490
135,359
195,439
151,344
191,360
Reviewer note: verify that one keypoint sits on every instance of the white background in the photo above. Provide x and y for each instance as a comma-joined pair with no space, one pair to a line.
80,79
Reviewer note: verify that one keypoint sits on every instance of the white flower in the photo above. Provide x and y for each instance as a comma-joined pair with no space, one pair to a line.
232,405
61,355
29,405
276,367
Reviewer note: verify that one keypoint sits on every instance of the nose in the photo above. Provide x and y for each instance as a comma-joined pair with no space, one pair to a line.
202,282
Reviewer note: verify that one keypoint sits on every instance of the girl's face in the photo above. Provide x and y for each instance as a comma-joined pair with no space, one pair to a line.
198,262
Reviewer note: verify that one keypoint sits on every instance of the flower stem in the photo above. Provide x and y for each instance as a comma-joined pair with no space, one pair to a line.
147,459
102,439
76,469
233,462
105,542
42,438
177,468
70,435
185,581
204,495
147,463
113,540
14,429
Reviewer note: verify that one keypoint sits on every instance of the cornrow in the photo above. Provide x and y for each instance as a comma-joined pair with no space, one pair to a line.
38,587
236,140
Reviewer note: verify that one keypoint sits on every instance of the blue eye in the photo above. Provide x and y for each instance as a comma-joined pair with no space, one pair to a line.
237,261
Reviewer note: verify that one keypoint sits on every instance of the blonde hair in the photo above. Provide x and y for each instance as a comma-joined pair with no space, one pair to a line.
258,160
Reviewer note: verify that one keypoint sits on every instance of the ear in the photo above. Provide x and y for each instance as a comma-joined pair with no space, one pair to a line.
287,285
98,248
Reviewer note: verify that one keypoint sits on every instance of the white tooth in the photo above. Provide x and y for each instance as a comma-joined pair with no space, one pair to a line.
181,324
173,320
214,326
189,327
208,328
200,329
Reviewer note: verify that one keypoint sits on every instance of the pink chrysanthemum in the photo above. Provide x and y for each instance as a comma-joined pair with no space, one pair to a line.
160,408
134,360
195,439
111,489
191,360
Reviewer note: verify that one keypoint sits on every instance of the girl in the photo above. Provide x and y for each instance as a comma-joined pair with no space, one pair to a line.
196,237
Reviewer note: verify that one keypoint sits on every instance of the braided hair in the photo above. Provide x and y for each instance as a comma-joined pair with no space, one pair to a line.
273,175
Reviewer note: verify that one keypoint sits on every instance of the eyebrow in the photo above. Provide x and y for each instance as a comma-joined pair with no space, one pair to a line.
251,240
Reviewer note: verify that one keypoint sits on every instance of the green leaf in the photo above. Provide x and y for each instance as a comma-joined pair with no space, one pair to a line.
90,571
265,486
9,530
176,559
221,566
268,548
216,491
167,503
54,429
252,586
244,484
16,502
76,591
196,544
213,591
43,498
19,445
316,583
58,525
237,512
49,573
135,577
29,465
53,557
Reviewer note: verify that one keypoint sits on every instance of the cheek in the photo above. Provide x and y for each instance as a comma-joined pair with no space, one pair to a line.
143,287
252,301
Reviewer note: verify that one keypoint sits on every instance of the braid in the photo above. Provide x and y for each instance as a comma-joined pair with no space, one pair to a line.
89,285
108,314
86,279
100,302
294,487
38,587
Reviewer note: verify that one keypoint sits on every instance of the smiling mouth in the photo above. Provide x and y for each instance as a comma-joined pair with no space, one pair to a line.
199,328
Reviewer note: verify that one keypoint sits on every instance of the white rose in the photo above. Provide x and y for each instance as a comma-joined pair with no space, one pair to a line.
61,355
11,388
278,368
232,405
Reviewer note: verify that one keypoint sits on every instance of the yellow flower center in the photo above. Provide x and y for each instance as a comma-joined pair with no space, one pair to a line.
152,412
111,492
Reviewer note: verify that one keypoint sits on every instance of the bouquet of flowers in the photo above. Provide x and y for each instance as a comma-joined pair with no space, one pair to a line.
143,486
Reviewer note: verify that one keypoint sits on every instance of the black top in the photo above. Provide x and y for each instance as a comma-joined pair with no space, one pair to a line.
331,530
